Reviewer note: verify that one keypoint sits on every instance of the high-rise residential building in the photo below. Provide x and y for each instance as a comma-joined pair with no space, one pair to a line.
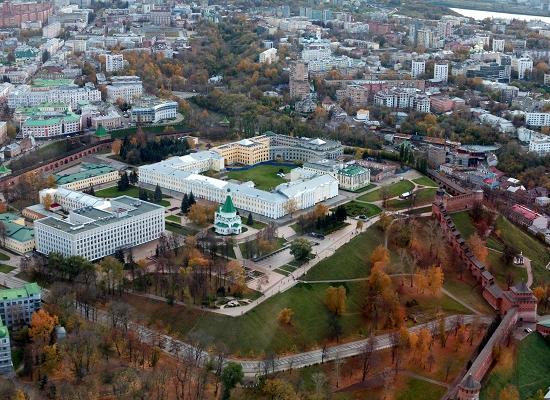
269,56
445,28
299,80
537,119
51,30
425,38
418,68
540,144
523,65
114,62
498,45
441,72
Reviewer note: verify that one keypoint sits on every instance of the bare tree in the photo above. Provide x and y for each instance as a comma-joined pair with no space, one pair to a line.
394,343
120,314
81,349
320,381
368,355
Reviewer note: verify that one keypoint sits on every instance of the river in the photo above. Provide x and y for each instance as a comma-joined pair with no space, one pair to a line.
480,15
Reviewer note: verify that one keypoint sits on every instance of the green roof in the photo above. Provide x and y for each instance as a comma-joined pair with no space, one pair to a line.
27,290
4,170
88,171
228,206
100,131
27,53
352,170
41,121
51,82
15,231
8,217
72,118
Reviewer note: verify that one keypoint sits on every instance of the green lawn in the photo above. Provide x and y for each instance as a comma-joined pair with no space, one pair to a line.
531,370
132,191
174,218
513,236
463,223
423,197
531,247
256,224
501,271
350,260
4,257
420,210
264,176
467,291
425,181
258,332
355,208
395,189
182,230
364,189
280,242
6,268
418,389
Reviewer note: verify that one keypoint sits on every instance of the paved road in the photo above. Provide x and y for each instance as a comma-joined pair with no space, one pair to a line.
252,368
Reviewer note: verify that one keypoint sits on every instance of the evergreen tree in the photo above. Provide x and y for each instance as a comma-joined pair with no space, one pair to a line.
157,196
123,183
185,204
91,191
143,194
124,147
119,255
250,220
191,199
133,177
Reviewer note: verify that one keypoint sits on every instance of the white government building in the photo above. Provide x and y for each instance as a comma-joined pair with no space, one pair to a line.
153,111
25,95
94,227
126,88
183,177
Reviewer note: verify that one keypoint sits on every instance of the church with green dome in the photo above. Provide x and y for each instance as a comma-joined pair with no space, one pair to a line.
226,220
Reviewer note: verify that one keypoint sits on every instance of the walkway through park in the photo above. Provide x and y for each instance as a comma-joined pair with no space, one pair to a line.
253,367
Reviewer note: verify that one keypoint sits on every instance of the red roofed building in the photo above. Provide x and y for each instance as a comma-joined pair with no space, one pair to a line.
522,215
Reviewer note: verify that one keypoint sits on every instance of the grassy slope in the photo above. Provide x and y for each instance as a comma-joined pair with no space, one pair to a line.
259,332
425,181
395,189
350,260
423,197
531,247
419,389
513,236
529,373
